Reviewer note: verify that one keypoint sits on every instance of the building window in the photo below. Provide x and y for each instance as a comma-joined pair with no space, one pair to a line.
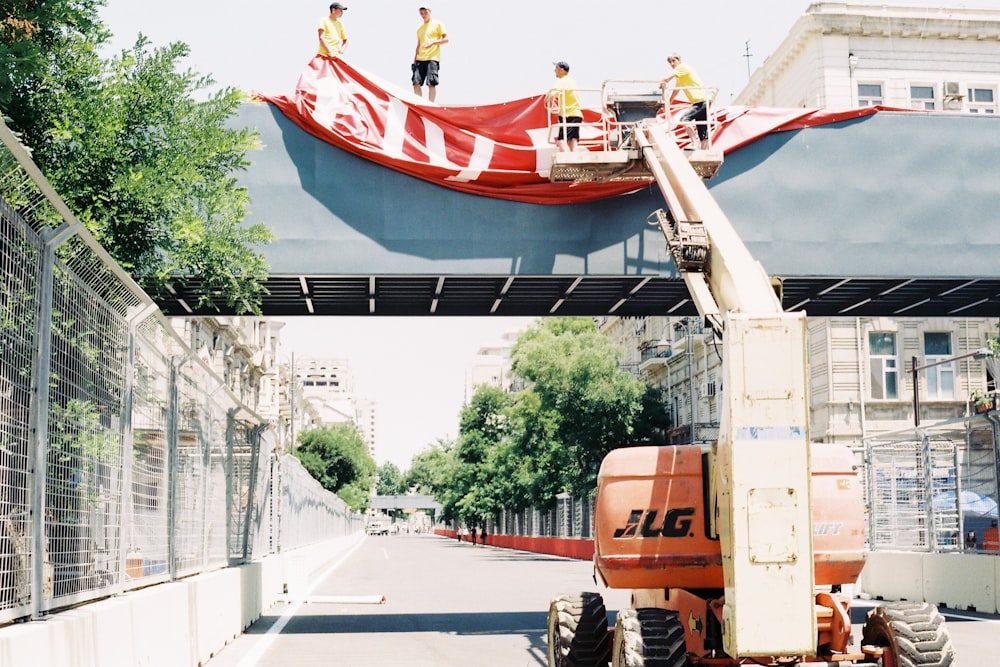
882,362
982,100
922,97
869,94
941,378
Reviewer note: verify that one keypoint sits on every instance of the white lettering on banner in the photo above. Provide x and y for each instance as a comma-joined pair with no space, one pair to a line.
480,159
330,102
395,128
437,149
335,99
339,101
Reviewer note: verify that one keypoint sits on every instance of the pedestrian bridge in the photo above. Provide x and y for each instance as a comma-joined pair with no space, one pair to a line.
889,214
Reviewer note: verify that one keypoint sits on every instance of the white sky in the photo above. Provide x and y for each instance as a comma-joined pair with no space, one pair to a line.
414,368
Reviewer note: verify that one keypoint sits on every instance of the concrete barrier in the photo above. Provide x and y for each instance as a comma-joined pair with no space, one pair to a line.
182,622
958,580
569,547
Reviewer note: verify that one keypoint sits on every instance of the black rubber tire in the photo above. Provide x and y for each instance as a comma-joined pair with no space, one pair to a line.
649,638
578,631
913,633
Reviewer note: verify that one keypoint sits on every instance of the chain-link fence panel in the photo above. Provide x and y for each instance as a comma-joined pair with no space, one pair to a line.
20,265
134,463
928,490
85,432
309,513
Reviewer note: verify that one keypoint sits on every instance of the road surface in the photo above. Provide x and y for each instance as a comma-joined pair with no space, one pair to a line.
449,603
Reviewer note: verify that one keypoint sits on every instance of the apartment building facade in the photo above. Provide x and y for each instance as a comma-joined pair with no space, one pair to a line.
860,381
849,55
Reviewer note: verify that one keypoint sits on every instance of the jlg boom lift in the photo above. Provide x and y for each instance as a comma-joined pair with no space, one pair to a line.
735,553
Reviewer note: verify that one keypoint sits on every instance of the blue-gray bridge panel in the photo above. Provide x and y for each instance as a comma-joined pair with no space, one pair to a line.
888,214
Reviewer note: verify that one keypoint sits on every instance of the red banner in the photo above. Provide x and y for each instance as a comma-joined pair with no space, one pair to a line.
497,150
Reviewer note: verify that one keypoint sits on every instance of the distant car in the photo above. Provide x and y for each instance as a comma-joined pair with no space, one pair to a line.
377,528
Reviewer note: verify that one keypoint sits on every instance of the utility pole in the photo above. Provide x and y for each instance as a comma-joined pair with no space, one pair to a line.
747,54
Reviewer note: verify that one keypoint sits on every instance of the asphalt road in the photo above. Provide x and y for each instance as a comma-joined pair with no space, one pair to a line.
450,604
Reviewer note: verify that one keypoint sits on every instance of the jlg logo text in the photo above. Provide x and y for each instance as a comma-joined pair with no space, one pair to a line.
641,523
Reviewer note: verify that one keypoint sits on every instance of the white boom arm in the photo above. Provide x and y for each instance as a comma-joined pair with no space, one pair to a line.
761,472
760,466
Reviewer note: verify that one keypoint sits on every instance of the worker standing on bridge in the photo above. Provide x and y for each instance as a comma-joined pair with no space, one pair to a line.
332,38
689,81
427,56
563,101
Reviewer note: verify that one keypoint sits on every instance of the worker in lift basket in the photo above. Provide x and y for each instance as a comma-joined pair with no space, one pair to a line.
695,119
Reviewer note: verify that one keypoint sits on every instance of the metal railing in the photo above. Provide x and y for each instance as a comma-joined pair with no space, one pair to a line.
124,459
611,128
571,517
928,488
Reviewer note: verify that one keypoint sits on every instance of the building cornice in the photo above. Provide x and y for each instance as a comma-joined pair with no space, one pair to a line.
862,20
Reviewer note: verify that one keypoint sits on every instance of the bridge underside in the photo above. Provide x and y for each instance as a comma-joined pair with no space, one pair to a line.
622,296
894,214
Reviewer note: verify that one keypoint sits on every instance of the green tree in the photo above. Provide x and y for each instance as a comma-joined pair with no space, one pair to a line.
580,404
390,480
474,498
429,468
149,170
430,472
30,31
336,456
523,450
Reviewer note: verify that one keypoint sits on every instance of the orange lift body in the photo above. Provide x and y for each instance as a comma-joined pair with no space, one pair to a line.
653,532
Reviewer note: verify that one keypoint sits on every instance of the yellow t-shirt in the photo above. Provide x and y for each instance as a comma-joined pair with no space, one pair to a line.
428,32
569,103
332,41
689,80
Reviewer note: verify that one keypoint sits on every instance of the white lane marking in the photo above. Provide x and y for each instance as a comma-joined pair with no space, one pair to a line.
254,656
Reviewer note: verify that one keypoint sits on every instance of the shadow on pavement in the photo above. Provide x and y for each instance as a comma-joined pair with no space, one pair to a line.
505,623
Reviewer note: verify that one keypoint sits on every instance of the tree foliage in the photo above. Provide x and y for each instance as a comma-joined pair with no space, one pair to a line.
521,450
429,468
581,404
390,480
31,30
336,456
147,167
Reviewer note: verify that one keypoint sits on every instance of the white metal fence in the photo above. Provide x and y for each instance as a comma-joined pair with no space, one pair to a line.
124,460
929,488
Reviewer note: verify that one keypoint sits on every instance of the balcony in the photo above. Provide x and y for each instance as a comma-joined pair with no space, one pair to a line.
654,356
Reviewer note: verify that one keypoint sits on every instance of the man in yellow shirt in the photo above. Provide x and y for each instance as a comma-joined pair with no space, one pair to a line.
332,38
427,56
697,115
563,101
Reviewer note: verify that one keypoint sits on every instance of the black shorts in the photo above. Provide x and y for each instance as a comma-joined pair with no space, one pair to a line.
699,113
425,71
572,128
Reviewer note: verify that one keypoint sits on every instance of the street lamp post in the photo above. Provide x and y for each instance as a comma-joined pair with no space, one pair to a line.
981,353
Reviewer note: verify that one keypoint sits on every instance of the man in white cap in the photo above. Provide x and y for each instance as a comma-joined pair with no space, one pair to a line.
564,102
427,56
332,38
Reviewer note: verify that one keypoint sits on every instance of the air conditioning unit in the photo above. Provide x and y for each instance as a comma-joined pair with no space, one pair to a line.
707,389
953,96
